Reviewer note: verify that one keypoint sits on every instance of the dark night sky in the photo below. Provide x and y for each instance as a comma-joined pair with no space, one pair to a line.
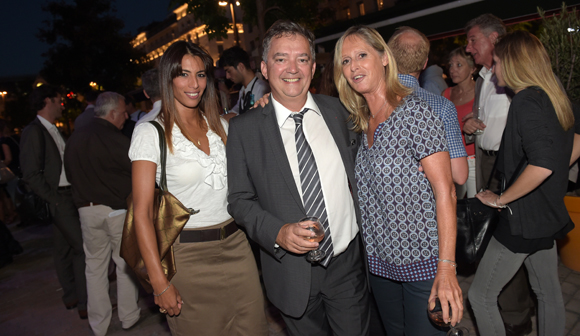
20,50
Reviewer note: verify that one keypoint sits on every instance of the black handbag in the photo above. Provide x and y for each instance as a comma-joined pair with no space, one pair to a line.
476,223
31,207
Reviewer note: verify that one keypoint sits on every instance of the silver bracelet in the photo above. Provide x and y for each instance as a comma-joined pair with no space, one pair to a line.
451,262
163,291
502,206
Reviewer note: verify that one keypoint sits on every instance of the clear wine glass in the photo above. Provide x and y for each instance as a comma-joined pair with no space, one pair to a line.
436,316
314,226
478,131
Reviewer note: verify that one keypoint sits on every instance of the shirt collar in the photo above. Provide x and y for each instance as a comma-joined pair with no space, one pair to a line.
282,113
409,81
47,124
485,72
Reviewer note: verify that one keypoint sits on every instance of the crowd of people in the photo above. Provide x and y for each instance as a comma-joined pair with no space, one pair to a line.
380,167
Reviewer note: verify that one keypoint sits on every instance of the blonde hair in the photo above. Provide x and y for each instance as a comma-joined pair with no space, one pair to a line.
354,102
525,63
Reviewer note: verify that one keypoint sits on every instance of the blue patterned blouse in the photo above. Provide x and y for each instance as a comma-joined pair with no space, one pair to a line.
396,200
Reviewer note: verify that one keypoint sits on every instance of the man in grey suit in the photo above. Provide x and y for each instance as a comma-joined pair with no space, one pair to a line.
89,113
291,159
41,160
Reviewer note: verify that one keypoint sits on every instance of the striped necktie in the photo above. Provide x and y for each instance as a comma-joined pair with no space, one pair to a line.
311,187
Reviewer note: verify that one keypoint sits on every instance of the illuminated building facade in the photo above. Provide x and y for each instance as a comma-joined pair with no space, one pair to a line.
182,26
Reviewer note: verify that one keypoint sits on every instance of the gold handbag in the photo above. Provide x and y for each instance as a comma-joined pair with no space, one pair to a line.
170,216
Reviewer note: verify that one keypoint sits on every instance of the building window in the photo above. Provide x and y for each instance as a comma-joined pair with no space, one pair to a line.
346,13
380,4
361,8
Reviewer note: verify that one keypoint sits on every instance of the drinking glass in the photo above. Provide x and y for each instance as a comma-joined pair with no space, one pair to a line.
314,226
436,316
478,131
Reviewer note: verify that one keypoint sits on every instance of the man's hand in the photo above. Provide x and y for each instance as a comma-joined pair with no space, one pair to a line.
473,124
292,238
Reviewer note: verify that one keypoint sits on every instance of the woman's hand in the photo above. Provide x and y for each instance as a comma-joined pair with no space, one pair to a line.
169,302
446,288
490,199
262,101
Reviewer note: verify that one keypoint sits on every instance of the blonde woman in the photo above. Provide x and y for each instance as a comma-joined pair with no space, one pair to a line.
408,217
539,134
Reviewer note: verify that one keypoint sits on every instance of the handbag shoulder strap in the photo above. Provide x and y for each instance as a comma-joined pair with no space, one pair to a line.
163,156
504,186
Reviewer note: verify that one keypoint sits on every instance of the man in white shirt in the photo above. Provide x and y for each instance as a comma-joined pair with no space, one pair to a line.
151,90
41,159
271,190
491,105
236,63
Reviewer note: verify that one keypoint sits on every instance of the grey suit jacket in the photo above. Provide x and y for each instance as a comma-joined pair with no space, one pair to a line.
263,195
40,161
85,118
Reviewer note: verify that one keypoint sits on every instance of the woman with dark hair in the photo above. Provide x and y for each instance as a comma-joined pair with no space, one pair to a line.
216,290
535,153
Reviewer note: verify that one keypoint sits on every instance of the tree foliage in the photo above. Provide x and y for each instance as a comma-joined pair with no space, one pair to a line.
86,44
561,38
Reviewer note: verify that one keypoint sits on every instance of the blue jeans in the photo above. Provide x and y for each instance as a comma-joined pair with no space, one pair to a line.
497,268
403,306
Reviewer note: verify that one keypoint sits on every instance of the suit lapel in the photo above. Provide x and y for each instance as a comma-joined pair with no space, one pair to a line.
49,140
278,152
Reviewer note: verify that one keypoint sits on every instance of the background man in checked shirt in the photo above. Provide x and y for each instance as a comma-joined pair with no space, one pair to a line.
411,50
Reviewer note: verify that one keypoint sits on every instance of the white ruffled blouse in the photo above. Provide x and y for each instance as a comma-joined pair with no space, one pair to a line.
196,179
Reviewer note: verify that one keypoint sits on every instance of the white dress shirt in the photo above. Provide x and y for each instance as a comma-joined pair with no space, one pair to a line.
493,110
151,114
55,134
333,179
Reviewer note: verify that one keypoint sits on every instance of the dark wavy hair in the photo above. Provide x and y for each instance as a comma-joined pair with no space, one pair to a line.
39,94
169,68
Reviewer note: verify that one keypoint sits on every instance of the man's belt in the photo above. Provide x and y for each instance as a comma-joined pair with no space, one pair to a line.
489,152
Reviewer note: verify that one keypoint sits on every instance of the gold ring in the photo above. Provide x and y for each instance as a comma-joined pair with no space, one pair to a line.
163,311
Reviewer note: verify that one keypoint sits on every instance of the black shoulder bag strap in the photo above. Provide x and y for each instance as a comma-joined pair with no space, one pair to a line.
503,186
163,155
